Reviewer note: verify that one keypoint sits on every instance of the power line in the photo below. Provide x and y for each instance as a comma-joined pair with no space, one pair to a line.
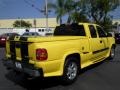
40,10
32,5
45,10
2,4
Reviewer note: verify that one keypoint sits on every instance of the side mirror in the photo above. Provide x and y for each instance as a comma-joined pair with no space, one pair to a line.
109,35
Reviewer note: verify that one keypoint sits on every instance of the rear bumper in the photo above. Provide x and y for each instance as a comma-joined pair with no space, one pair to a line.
26,68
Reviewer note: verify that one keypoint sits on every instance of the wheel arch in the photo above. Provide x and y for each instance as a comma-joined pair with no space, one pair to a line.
76,55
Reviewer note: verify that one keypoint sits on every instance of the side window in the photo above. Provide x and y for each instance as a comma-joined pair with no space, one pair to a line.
39,30
78,30
92,31
42,30
101,33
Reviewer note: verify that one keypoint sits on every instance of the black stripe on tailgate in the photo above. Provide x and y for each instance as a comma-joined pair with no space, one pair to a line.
24,52
24,49
12,50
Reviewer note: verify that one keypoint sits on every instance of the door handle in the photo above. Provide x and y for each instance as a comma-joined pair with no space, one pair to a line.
100,41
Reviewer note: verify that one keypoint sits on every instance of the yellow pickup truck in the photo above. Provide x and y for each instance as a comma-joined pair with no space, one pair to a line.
73,47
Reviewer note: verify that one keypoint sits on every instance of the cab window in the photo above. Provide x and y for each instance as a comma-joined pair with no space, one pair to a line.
92,31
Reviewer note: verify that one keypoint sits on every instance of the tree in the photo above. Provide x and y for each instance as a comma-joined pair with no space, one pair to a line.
99,10
77,17
77,13
85,10
22,23
58,6
69,8
116,25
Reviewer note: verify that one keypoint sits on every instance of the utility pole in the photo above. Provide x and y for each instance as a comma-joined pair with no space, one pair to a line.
45,10
34,22
20,20
46,13
20,23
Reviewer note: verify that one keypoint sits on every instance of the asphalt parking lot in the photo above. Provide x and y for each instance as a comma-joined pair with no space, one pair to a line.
103,76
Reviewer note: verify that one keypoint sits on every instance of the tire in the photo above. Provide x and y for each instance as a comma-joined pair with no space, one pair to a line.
112,53
70,70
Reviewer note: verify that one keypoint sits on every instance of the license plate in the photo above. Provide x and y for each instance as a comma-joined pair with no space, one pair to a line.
18,65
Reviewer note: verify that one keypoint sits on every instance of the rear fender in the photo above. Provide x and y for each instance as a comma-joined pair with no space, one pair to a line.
65,56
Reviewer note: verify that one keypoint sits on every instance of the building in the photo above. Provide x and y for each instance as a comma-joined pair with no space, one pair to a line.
38,25
40,22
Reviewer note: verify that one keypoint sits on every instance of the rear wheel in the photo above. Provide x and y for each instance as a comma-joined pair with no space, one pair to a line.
70,70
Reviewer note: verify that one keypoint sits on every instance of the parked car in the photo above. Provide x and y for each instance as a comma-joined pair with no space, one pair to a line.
49,34
4,36
30,34
117,38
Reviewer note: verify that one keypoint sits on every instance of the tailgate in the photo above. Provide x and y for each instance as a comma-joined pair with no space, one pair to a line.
18,49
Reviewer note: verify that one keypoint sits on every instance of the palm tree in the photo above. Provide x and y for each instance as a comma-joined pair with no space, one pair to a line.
75,11
70,8
77,17
58,6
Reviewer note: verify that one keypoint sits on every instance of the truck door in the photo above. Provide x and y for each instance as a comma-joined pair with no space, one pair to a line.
96,44
103,36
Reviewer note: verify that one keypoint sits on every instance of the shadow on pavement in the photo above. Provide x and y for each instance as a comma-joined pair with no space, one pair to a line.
33,84
2,47
92,66
39,83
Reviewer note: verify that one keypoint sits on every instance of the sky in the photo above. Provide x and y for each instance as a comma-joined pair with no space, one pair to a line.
13,9
20,9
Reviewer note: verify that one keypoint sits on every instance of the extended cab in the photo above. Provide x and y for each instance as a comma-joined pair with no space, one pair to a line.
73,47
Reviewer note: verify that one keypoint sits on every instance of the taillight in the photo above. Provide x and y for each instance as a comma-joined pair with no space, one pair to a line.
41,54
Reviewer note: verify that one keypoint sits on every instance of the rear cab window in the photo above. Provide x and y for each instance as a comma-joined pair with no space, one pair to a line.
70,30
